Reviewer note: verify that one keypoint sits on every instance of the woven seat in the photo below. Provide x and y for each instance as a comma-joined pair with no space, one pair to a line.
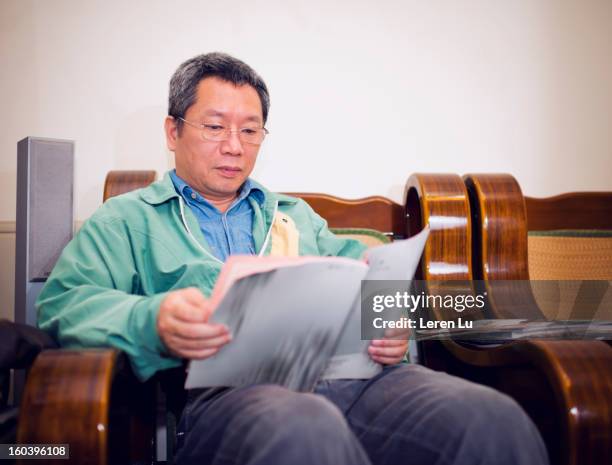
570,256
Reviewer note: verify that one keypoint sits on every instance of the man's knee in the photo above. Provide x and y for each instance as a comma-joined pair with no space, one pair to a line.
279,410
296,428
492,424
487,409
270,424
472,418
459,401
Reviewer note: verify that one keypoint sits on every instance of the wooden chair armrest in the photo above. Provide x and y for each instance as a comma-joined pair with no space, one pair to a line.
580,374
564,386
90,400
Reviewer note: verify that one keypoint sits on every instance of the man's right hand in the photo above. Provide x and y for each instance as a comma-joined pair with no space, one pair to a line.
182,324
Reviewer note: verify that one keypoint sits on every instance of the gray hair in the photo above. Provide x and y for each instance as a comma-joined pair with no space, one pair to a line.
185,80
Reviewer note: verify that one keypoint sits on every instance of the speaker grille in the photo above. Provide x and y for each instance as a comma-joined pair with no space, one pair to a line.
50,204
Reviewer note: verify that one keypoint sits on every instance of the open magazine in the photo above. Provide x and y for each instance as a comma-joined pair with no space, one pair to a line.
297,320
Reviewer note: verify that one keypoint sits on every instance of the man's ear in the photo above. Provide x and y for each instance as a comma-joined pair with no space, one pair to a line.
171,133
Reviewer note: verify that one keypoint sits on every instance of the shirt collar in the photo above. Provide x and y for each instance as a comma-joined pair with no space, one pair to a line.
248,188
253,189
163,190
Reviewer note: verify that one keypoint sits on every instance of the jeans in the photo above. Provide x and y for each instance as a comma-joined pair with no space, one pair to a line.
408,414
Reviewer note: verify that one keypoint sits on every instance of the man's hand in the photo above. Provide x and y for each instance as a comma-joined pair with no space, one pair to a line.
182,324
391,349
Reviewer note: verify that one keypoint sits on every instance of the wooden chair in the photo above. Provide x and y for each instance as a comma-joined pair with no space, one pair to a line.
567,238
477,232
565,386
91,400
570,236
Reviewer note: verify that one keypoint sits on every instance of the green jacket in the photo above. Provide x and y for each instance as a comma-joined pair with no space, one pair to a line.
109,281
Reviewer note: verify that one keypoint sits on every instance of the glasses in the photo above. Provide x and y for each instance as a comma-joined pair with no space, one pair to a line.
218,133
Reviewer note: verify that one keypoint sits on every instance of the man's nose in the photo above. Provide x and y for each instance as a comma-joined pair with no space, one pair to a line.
233,145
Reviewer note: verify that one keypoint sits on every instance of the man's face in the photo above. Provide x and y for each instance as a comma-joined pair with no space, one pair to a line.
216,169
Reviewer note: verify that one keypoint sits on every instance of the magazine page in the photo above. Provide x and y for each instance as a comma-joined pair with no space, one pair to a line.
285,325
397,261
240,266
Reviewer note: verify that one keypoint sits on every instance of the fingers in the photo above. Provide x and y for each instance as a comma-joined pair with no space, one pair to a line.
180,344
389,352
389,342
195,330
386,360
192,346
396,351
198,354
193,295
182,324
190,313
392,348
214,337
187,304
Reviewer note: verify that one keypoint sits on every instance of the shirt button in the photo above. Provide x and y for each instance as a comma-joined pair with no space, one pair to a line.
193,195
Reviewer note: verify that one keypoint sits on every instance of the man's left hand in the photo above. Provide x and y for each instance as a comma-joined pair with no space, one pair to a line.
391,349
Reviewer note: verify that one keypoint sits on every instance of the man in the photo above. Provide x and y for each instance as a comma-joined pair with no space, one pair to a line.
138,274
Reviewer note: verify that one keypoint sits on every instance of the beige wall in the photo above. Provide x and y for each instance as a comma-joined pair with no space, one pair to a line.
7,269
363,93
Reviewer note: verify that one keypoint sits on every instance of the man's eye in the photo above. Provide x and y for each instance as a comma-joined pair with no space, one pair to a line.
248,131
213,127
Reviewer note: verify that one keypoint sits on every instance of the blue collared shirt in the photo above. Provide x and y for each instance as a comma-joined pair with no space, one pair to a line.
227,233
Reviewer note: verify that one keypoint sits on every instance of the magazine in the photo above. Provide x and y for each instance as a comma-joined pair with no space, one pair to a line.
295,320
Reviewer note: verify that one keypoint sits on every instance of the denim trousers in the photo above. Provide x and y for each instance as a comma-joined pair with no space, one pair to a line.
408,415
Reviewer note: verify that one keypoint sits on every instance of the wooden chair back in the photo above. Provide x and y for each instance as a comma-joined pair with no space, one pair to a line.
573,210
523,238
500,244
376,212
120,182
503,218
441,201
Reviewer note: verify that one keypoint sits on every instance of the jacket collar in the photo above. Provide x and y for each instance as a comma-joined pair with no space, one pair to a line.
159,192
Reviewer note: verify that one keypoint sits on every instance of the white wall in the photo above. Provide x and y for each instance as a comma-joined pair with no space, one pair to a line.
363,92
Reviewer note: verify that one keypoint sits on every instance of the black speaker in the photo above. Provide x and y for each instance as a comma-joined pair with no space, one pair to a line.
45,217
